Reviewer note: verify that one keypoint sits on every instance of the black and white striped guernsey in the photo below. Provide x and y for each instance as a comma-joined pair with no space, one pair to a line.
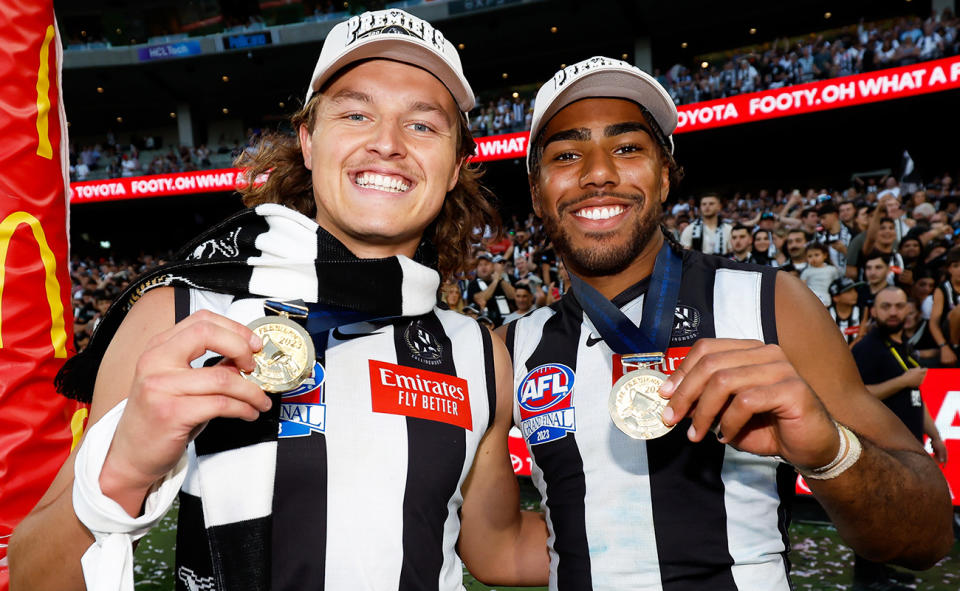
849,326
370,459
664,514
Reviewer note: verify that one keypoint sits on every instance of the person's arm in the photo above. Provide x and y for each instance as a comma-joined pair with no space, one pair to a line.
789,211
507,286
937,230
778,400
852,258
947,356
931,431
148,363
481,298
909,379
499,543
874,227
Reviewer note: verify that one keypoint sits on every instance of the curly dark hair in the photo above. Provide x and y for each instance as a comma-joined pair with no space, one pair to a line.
467,210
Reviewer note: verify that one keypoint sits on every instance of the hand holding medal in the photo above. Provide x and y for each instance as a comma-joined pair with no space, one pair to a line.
751,396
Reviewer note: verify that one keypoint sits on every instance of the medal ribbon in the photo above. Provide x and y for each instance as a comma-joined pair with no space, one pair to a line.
317,319
656,321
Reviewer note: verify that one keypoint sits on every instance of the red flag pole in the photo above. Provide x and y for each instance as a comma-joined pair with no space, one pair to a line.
38,427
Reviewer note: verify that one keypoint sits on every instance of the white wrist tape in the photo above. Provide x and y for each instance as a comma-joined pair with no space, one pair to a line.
847,455
108,563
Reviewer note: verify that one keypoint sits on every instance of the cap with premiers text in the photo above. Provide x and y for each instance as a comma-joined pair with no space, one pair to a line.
603,77
395,35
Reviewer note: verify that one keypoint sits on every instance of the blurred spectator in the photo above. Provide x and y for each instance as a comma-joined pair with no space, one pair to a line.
708,233
916,334
945,315
845,309
833,233
525,301
491,290
875,273
819,273
451,297
741,245
796,250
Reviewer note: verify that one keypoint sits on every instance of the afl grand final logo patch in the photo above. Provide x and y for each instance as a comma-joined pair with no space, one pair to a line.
545,398
423,346
686,323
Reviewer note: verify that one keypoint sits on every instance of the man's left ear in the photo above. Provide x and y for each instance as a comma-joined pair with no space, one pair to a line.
456,175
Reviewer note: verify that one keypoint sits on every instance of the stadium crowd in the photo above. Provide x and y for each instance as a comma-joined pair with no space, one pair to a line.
146,156
849,50
845,244
843,52
854,49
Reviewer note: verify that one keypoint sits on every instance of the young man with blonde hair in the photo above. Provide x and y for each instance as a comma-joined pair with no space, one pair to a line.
386,425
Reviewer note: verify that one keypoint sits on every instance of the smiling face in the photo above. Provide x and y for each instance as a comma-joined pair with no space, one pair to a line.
601,185
887,234
382,154
761,241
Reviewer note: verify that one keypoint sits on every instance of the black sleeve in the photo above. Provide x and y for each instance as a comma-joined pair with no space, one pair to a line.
865,356
473,288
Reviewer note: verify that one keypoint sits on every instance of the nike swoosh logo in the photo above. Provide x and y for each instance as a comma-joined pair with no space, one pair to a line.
591,340
340,336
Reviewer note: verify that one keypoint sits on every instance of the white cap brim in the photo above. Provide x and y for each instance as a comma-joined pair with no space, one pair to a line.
605,81
400,48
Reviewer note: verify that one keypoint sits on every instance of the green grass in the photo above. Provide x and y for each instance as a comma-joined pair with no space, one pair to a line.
820,560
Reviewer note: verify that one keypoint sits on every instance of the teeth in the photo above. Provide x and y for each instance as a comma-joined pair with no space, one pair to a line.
381,183
600,213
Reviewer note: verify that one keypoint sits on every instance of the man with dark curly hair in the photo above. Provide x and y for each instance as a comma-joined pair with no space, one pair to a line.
670,398
386,425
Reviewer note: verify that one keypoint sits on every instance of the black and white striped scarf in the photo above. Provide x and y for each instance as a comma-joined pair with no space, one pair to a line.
270,251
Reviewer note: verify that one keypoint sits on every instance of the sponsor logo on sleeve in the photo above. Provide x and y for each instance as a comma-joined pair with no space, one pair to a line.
400,390
545,397
304,410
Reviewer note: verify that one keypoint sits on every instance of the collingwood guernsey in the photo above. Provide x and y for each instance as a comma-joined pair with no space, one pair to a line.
369,460
664,514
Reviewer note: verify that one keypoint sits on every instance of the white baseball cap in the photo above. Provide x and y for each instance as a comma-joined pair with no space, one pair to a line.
395,35
608,78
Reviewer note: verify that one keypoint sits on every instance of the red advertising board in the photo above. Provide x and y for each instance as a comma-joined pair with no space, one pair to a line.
941,393
37,425
157,185
502,147
872,87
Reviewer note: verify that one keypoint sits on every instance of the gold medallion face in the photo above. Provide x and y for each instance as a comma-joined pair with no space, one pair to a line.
287,356
636,406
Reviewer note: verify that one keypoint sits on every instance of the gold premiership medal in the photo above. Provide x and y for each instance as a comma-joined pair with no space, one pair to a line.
287,356
636,406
